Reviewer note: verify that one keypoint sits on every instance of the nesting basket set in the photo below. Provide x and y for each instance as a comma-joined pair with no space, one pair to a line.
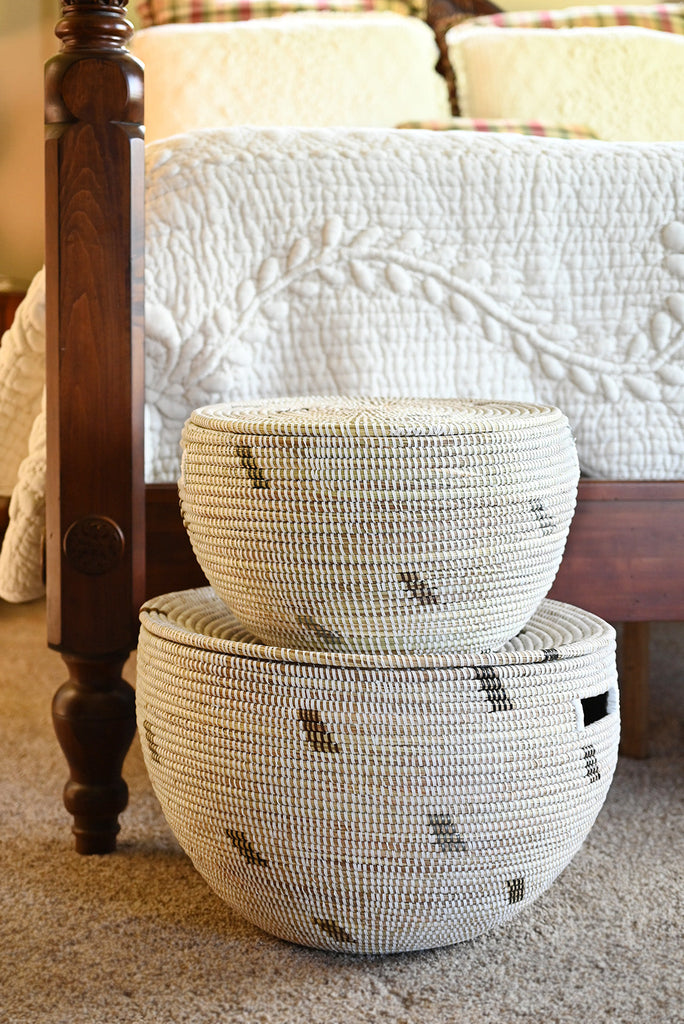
374,732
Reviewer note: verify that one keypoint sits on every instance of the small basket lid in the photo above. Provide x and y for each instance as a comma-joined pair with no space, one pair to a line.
362,416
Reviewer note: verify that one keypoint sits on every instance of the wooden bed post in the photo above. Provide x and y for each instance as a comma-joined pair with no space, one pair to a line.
95,552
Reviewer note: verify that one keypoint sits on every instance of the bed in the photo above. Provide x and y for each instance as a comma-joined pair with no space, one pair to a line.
113,534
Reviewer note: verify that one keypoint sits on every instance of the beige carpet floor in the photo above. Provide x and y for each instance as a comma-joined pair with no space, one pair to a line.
139,937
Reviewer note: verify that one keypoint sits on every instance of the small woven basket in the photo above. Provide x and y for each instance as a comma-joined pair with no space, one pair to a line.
366,525
376,804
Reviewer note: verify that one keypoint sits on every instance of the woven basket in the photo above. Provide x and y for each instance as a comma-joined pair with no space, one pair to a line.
381,803
366,525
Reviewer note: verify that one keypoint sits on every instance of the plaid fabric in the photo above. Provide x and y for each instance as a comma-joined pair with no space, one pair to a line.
659,17
474,124
165,12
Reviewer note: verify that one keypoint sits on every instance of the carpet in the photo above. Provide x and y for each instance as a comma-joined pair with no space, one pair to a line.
139,937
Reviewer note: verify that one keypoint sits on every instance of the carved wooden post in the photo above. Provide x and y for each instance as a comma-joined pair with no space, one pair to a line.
95,487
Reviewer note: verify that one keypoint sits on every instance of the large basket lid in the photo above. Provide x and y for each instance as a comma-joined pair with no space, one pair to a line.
199,619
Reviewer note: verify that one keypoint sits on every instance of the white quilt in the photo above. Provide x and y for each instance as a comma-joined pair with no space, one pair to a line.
282,261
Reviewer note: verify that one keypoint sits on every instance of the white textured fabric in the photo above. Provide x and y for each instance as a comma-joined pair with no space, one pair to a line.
22,377
374,69
287,261
284,261
623,83
21,555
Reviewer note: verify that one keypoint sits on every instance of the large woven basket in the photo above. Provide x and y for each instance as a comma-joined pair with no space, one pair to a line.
376,804
400,525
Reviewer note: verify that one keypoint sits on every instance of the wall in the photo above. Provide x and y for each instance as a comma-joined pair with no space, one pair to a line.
26,41
24,45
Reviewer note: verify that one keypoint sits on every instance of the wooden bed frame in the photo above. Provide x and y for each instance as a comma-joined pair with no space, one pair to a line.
111,541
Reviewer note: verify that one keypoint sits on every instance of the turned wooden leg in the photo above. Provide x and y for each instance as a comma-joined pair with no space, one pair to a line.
94,718
633,678
94,356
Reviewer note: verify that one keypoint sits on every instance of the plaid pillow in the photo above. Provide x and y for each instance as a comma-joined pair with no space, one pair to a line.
165,12
659,17
475,124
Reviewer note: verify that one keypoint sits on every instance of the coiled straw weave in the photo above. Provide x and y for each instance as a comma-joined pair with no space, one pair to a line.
368,524
376,803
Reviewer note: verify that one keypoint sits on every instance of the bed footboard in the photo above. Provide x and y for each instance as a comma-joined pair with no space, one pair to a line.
94,360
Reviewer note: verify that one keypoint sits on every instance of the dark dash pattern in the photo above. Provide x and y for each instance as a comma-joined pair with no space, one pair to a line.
493,687
545,521
446,834
244,847
333,929
516,889
593,773
151,742
315,731
418,589
254,472
328,637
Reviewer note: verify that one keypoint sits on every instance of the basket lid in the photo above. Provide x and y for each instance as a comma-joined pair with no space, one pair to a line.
199,619
365,416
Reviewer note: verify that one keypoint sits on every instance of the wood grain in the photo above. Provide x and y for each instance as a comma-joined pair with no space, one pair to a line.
95,512
624,559
94,330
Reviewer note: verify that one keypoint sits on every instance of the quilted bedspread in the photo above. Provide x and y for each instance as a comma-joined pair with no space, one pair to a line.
287,261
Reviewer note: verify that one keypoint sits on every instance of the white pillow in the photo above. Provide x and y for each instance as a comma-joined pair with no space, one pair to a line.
316,70
624,83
